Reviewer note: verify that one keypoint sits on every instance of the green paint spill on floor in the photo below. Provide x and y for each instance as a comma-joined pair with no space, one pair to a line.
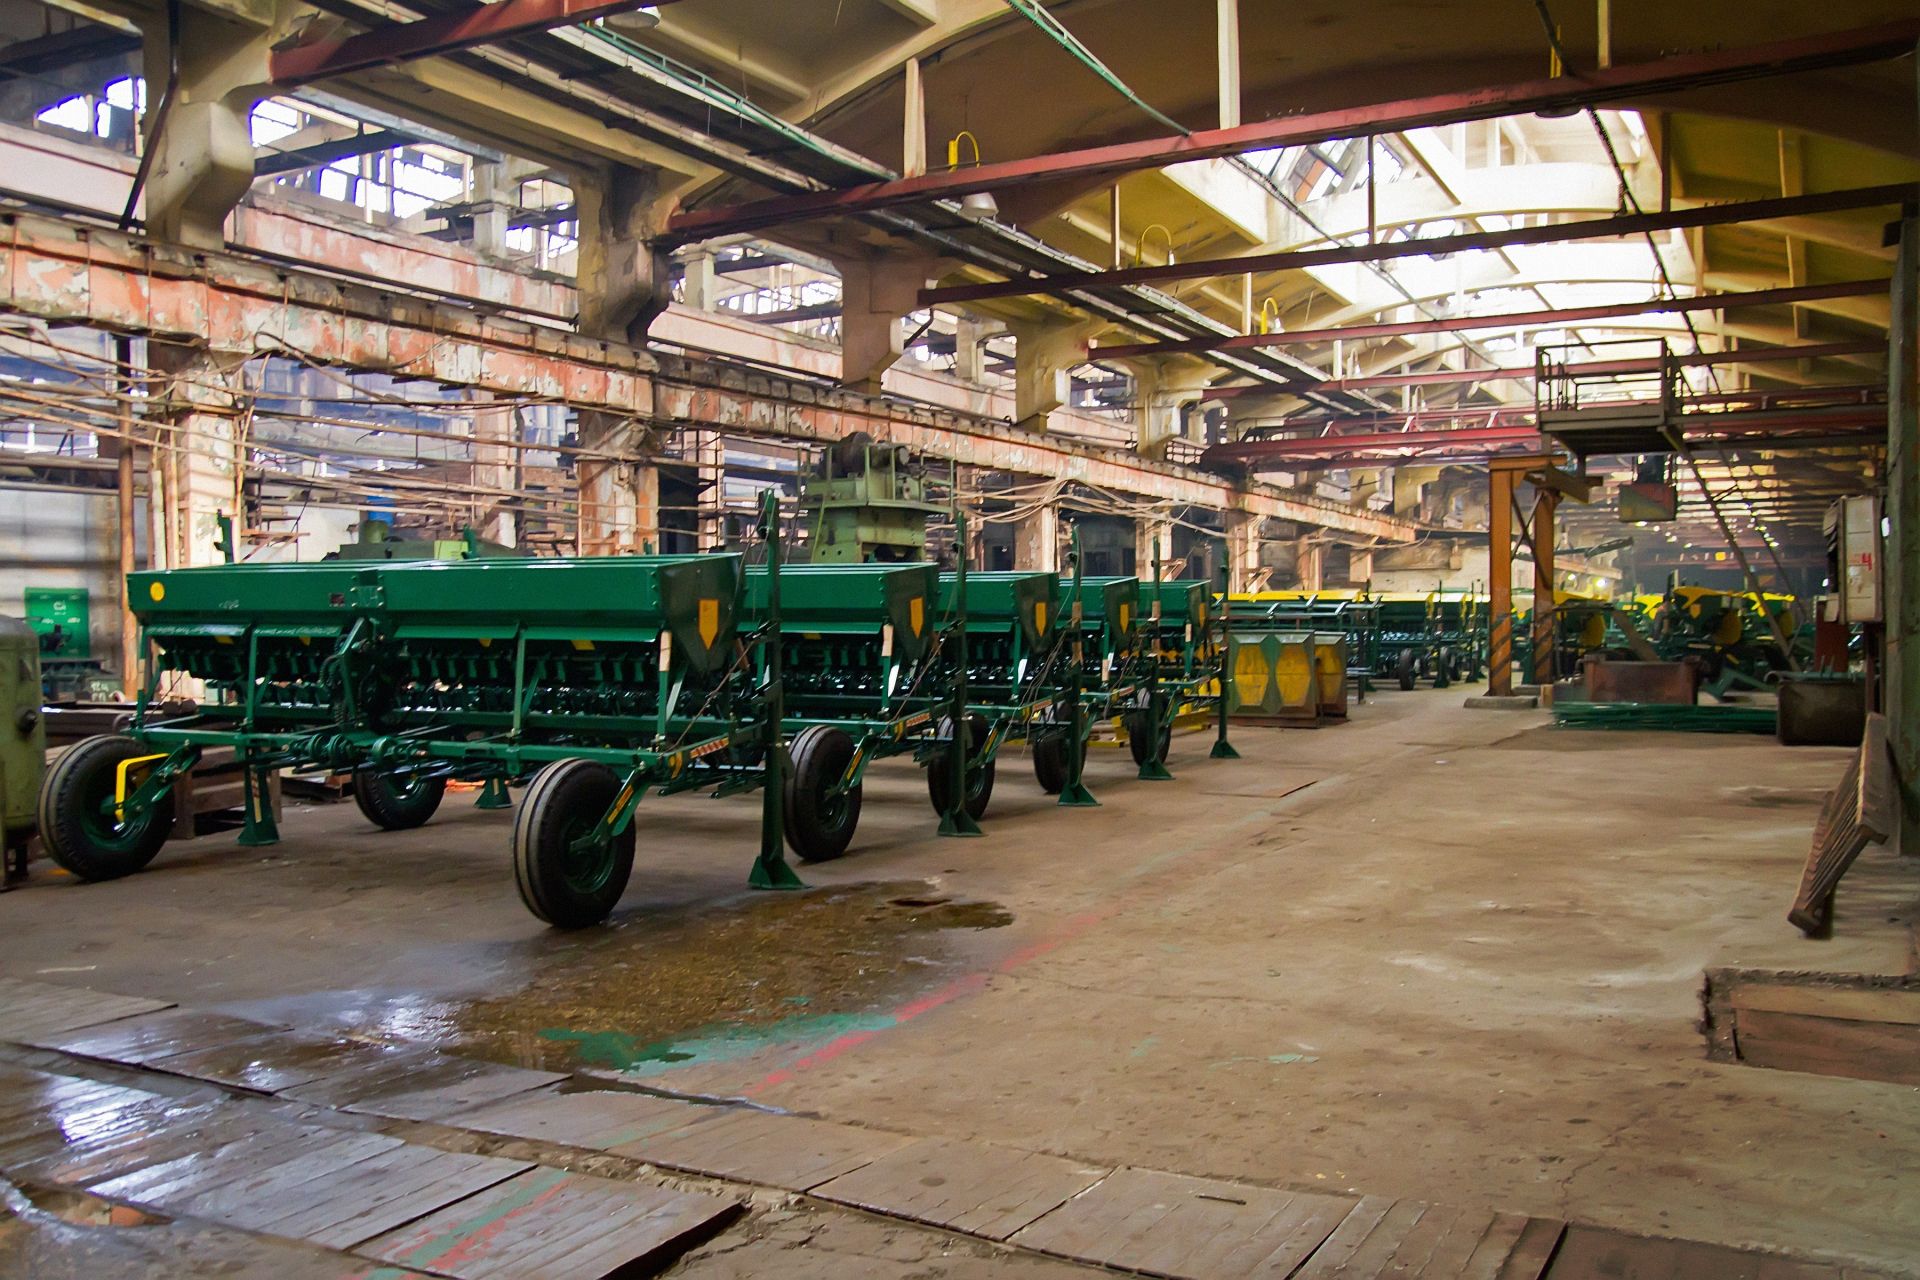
723,1042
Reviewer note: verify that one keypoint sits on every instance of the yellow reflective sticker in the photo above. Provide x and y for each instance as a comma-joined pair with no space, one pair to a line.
709,621
486,642
156,591
583,645
917,613
1040,617
1125,611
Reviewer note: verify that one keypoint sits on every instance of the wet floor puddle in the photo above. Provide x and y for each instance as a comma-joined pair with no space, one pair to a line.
653,993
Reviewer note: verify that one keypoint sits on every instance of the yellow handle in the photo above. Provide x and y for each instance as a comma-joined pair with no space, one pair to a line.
120,782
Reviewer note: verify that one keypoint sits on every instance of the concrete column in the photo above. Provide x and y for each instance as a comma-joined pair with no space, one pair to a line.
696,287
1310,561
489,211
1152,539
1043,355
1902,681
203,162
619,490
196,457
495,466
625,282
1243,550
969,351
876,293
1036,540
1360,565
625,278
1162,388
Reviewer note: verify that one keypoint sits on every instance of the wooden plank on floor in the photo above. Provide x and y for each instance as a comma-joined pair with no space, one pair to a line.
774,1150
273,1062
1593,1253
1167,1224
1384,1237
42,1115
547,1223
1883,1051
208,1182
150,1036
88,1161
966,1186
599,1119
388,1068
32,1009
349,1203
450,1086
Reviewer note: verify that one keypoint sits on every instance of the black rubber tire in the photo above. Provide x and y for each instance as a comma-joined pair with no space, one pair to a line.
80,836
1404,669
819,830
1051,757
979,785
1443,669
393,808
1137,734
562,803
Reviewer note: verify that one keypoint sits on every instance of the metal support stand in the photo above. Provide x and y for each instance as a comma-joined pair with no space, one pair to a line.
257,827
1222,749
493,795
770,869
956,821
16,872
1159,712
1075,794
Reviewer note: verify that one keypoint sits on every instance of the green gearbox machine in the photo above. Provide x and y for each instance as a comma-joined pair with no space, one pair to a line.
601,679
23,742
868,502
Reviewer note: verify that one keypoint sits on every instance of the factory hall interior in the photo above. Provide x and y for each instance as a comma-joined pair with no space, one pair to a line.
955,639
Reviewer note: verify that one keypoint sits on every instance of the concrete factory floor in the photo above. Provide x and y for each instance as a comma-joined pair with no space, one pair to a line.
1431,953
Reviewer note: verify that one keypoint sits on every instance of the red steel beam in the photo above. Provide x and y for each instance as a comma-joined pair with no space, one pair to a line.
1711,215
1256,451
1694,360
427,37
1504,320
1562,94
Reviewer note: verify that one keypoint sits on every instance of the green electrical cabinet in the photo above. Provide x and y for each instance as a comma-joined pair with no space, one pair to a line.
59,616
23,741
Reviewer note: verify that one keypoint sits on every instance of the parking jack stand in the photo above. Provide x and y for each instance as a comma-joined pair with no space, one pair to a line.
494,795
1075,793
257,827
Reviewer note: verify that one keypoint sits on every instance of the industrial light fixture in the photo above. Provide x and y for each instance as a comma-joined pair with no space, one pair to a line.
632,22
975,206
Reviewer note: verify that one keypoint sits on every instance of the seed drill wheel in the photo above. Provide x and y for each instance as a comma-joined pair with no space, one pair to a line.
396,801
1141,742
77,820
1053,758
564,880
1443,669
979,780
1404,669
820,825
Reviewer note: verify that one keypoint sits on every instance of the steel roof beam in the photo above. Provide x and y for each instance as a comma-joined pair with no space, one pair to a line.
1746,355
1504,320
430,37
1712,215
1562,94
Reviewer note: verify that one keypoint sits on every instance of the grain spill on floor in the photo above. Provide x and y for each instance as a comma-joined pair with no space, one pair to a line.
651,993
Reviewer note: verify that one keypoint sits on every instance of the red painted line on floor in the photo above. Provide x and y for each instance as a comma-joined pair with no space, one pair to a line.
963,986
